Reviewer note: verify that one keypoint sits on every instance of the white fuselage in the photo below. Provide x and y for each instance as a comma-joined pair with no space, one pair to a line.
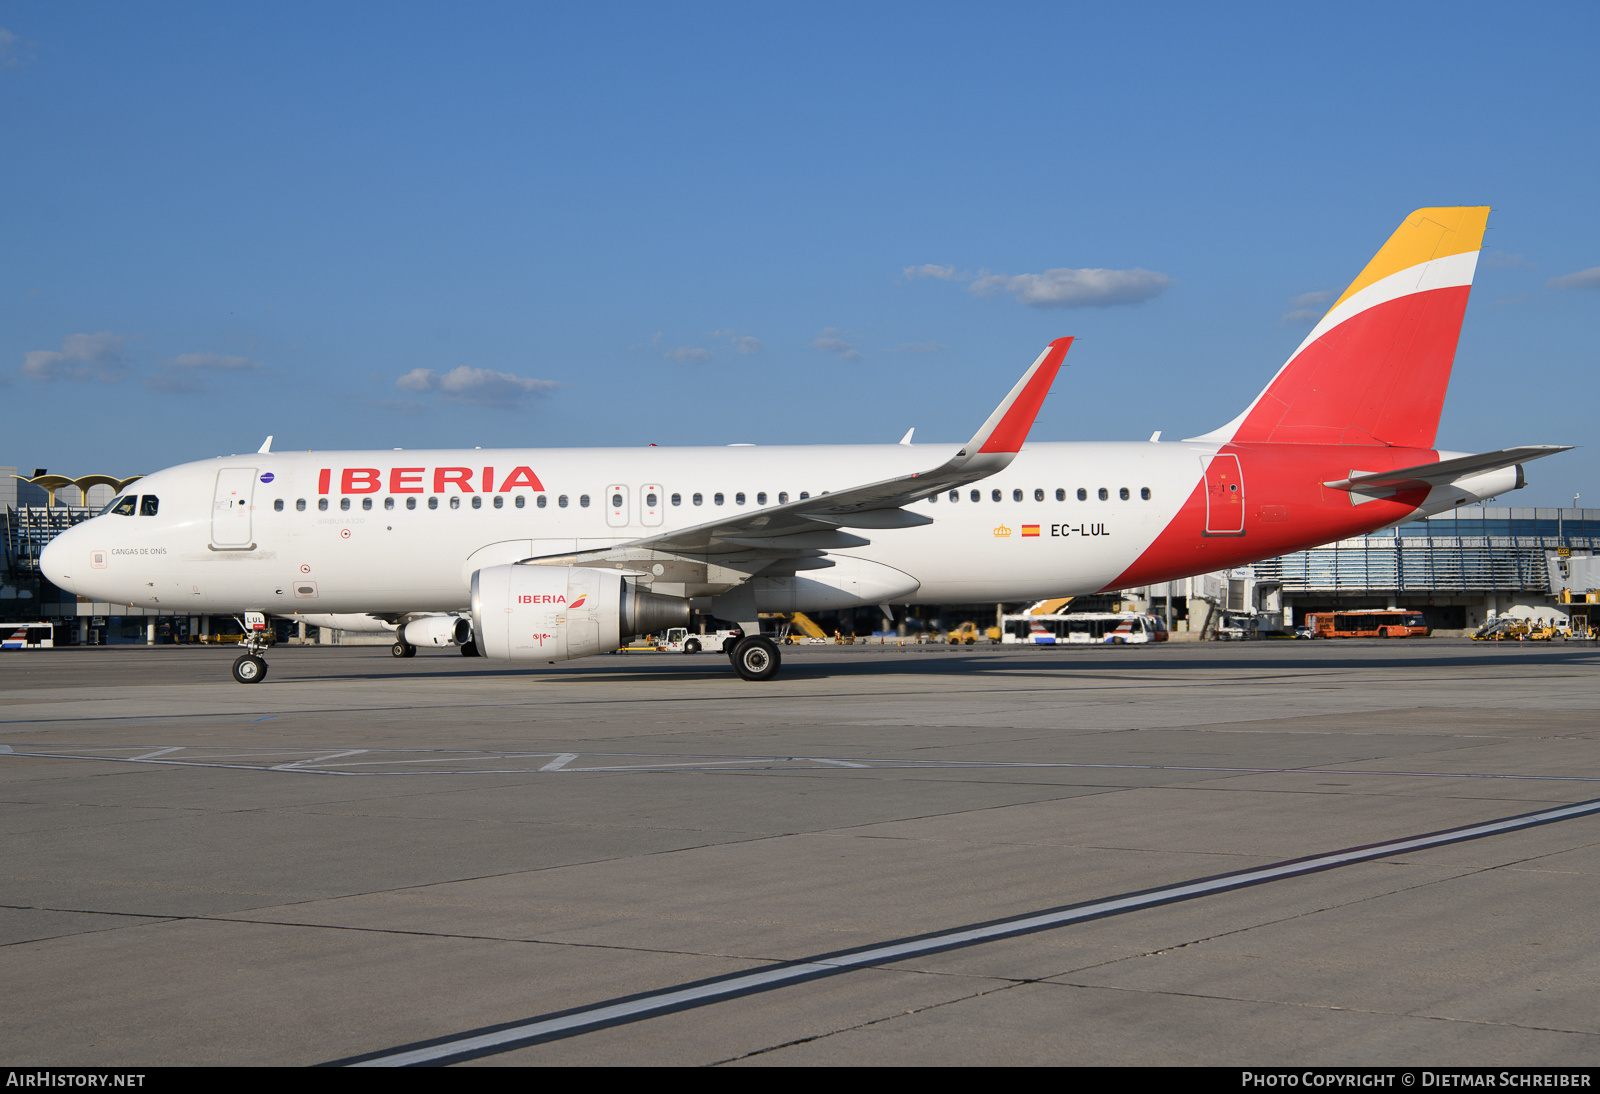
388,531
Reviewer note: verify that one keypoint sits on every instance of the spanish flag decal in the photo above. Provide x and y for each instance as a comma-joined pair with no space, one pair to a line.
1030,529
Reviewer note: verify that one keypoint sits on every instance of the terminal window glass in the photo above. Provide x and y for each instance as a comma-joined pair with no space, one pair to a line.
299,505
124,507
277,505
150,503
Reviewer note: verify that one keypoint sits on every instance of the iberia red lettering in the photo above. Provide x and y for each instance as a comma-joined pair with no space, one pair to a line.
461,476
488,479
322,481
522,476
361,480
405,480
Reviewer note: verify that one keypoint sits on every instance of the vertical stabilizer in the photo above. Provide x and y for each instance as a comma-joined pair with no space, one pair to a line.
1374,371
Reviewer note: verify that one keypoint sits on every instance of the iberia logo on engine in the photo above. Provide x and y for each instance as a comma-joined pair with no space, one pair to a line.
528,598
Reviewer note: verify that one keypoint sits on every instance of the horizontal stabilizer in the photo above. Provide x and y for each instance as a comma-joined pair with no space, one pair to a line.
1445,471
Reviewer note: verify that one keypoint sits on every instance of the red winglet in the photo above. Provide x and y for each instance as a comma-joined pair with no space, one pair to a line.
1015,415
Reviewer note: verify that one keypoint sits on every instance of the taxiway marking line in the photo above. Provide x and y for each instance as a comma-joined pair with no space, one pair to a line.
502,1038
560,761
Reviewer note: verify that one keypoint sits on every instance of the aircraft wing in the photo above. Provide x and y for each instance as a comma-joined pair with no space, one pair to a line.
806,529
1445,471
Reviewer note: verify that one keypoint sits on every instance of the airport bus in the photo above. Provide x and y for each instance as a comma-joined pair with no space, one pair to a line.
1368,623
26,636
1084,628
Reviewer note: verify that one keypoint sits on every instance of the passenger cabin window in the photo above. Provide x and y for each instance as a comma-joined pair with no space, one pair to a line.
650,499
1083,495
1061,495
543,500
1123,493
761,498
783,497
344,504
150,503
366,504
616,501
299,505
1104,494
994,495
277,505
1144,492
1038,495
433,502
124,507
388,503
804,496
562,501
411,503
583,500
955,495
477,501
322,505
677,499
716,499
455,501
499,501
977,495
738,499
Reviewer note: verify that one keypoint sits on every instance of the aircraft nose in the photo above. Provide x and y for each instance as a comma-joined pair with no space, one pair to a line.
54,561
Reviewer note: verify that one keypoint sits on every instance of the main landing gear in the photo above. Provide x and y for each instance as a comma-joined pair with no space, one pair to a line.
755,658
402,648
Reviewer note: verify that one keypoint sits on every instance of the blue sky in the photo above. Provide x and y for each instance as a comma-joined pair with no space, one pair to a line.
454,225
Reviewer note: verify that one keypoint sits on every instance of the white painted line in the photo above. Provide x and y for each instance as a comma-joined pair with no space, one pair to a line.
314,760
840,763
639,1007
560,761
158,752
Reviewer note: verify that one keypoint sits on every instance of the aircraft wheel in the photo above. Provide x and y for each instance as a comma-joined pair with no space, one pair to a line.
756,658
403,648
692,646
469,649
249,669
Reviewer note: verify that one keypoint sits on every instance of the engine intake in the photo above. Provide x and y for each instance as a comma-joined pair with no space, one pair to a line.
556,613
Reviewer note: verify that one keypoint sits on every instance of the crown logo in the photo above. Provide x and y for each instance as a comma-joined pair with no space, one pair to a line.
1001,531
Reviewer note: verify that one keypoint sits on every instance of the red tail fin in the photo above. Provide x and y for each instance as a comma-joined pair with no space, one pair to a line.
1375,369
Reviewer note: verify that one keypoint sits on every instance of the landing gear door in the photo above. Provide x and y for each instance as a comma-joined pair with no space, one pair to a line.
1224,495
231,507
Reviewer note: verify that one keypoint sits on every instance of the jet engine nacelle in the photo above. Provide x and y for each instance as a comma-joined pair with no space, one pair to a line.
438,630
556,613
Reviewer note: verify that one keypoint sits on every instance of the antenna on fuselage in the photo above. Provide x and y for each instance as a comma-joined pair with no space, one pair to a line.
906,440
266,445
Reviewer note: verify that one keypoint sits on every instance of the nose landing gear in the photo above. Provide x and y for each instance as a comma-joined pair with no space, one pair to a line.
251,667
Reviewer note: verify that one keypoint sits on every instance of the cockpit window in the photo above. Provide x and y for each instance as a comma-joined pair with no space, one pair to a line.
148,505
122,506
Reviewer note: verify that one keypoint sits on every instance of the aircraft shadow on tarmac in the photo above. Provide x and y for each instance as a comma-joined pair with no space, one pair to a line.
890,663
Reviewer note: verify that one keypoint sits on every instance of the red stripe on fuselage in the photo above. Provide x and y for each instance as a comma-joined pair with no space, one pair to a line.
1377,378
1286,509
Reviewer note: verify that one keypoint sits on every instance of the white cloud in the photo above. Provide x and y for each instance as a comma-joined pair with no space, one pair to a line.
183,375
938,273
81,357
1505,261
830,342
1068,288
1583,279
469,386
688,353
14,51
1306,309
741,342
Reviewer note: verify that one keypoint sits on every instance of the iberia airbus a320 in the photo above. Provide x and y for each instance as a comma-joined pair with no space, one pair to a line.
543,555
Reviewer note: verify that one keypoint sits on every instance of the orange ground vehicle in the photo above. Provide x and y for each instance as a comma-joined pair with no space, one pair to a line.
1368,623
